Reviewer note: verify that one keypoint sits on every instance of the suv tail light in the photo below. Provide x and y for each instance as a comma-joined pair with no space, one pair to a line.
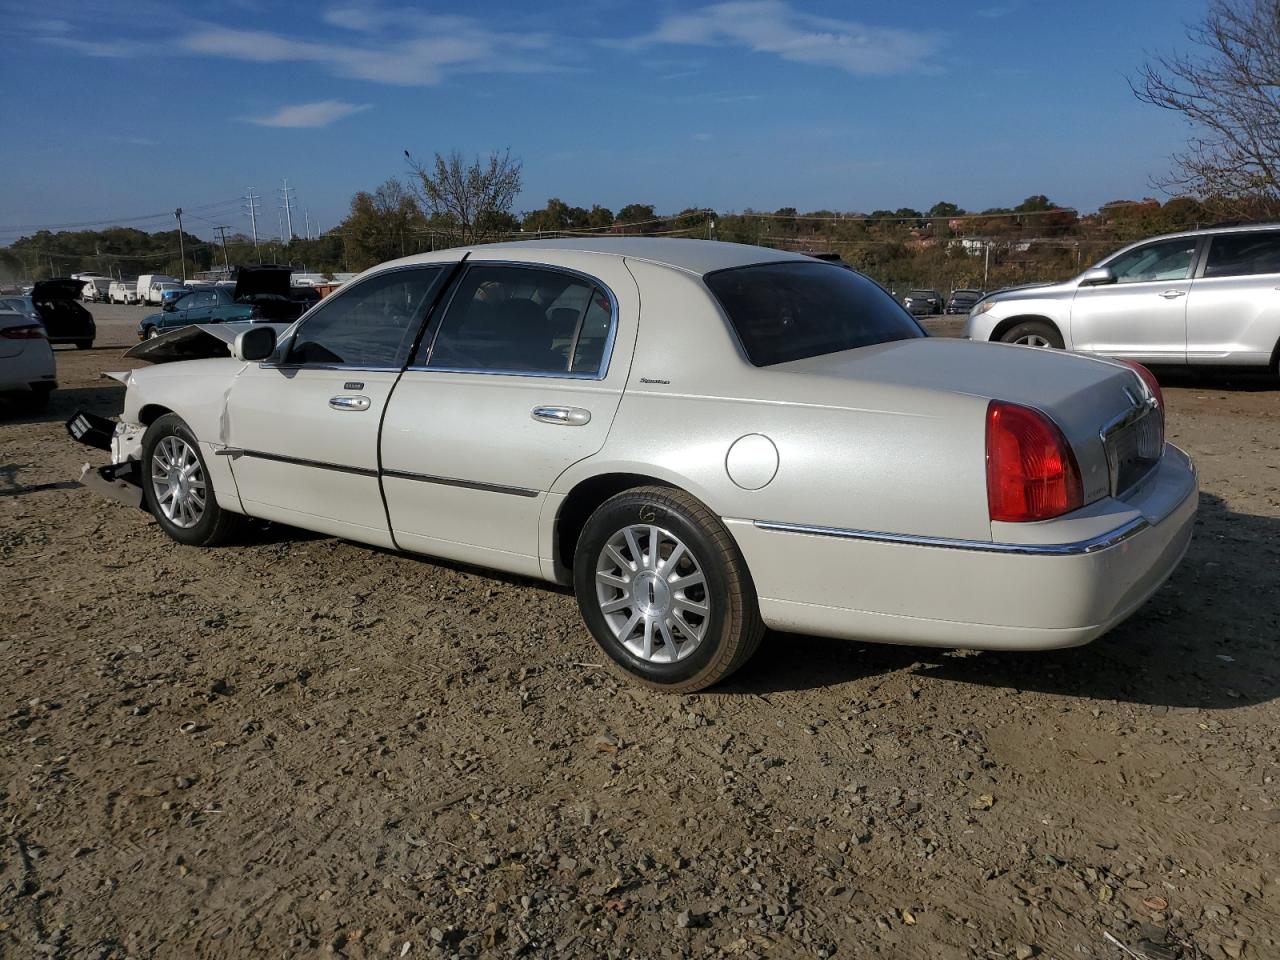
32,332
1031,472
1149,378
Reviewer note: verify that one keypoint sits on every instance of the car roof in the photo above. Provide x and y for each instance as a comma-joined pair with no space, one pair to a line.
1207,231
693,256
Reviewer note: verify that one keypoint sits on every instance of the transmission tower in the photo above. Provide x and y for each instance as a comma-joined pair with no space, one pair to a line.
286,200
251,207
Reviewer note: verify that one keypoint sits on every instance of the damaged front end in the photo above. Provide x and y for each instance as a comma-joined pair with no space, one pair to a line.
121,479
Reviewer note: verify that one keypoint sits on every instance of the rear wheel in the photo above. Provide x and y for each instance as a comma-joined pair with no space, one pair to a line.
665,591
177,489
1034,333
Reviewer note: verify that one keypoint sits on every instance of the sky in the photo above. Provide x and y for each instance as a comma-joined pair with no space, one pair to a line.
121,109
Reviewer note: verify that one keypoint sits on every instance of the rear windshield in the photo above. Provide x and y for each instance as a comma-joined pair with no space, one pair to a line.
790,311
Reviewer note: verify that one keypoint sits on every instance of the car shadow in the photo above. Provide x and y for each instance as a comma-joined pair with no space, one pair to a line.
104,400
1204,378
1205,640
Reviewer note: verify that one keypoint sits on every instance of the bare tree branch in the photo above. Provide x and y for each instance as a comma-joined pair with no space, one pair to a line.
1229,92
470,201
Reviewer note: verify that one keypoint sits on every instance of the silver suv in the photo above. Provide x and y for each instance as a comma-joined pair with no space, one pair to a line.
1203,297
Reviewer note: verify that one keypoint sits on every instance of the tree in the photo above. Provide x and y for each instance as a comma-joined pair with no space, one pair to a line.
380,225
942,210
470,200
1227,90
638,215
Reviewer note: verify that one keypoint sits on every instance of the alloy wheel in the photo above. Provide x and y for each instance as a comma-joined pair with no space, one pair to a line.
1033,340
178,482
653,593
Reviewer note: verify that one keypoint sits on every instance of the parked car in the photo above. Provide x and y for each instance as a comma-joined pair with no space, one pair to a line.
963,300
261,293
1205,297
27,374
63,317
123,291
705,439
923,303
149,286
94,289
23,305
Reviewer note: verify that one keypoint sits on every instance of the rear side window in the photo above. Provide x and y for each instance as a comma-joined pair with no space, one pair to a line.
1243,254
789,311
505,319
371,324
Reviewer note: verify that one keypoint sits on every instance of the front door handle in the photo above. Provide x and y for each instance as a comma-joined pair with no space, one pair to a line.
1173,294
349,403
565,416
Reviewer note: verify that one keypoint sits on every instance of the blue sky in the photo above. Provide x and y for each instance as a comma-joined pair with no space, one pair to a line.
121,108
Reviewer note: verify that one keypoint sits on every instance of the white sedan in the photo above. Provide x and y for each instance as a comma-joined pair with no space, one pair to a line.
704,439
27,374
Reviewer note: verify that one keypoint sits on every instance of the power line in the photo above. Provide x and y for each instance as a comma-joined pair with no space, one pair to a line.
114,221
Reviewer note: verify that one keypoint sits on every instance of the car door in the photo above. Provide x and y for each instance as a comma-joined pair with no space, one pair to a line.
1233,312
519,379
1143,315
196,307
303,428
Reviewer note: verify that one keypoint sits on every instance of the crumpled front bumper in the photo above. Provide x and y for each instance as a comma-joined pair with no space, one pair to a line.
120,479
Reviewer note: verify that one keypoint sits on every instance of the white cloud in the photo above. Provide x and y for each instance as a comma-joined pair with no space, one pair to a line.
774,27
403,47
995,13
95,48
318,114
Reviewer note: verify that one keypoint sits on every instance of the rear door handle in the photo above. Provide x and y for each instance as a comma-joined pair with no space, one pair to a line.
349,403
564,416
1173,294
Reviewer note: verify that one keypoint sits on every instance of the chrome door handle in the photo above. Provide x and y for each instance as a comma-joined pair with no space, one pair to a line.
565,416
349,403
1173,294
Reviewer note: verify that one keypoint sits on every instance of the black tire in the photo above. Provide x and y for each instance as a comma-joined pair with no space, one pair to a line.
152,331
84,344
1038,329
215,525
732,630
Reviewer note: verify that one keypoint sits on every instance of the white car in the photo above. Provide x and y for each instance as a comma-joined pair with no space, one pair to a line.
27,373
122,291
704,439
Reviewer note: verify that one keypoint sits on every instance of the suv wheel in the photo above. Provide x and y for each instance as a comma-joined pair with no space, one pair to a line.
1034,333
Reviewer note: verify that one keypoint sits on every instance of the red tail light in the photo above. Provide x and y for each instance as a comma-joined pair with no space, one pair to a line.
1149,378
1031,472
32,332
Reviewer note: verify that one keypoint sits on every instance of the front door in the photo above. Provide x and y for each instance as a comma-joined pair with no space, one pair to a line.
1143,315
519,380
303,429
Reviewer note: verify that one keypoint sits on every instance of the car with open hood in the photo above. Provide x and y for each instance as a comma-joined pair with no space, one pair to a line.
260,293
65,319
702,439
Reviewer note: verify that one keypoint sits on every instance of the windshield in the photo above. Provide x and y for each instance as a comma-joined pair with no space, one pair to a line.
790,311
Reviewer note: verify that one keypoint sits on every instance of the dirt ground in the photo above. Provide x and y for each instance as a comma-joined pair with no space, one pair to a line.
302,746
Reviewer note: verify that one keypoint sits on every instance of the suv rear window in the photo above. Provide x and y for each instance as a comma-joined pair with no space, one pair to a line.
790,311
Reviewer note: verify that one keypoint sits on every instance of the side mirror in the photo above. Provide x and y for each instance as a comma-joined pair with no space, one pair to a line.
257,343
167,306
1097,277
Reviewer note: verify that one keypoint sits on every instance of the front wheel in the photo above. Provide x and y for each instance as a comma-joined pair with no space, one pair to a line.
177,489
1034,333
665,591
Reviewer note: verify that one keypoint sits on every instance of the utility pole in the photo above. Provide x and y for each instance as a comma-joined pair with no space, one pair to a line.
986,264
307,214
286,196
182,251
225,263
251,205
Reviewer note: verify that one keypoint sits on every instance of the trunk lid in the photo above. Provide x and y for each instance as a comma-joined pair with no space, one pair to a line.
1085,396
59,288
267,279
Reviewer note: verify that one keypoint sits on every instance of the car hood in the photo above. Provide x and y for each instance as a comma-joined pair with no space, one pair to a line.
1024,290
200,341
267,279
62,288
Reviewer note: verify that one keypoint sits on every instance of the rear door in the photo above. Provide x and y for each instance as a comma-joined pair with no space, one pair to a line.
1143,315
519,379
304,428
1233,312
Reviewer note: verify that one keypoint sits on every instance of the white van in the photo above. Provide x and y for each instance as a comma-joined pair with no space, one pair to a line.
148,286
94,289
122,291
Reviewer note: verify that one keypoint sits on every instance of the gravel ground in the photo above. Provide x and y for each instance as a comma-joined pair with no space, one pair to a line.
303,746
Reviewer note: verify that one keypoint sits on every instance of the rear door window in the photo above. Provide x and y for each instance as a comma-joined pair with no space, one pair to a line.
525,320
1243,254
793,310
